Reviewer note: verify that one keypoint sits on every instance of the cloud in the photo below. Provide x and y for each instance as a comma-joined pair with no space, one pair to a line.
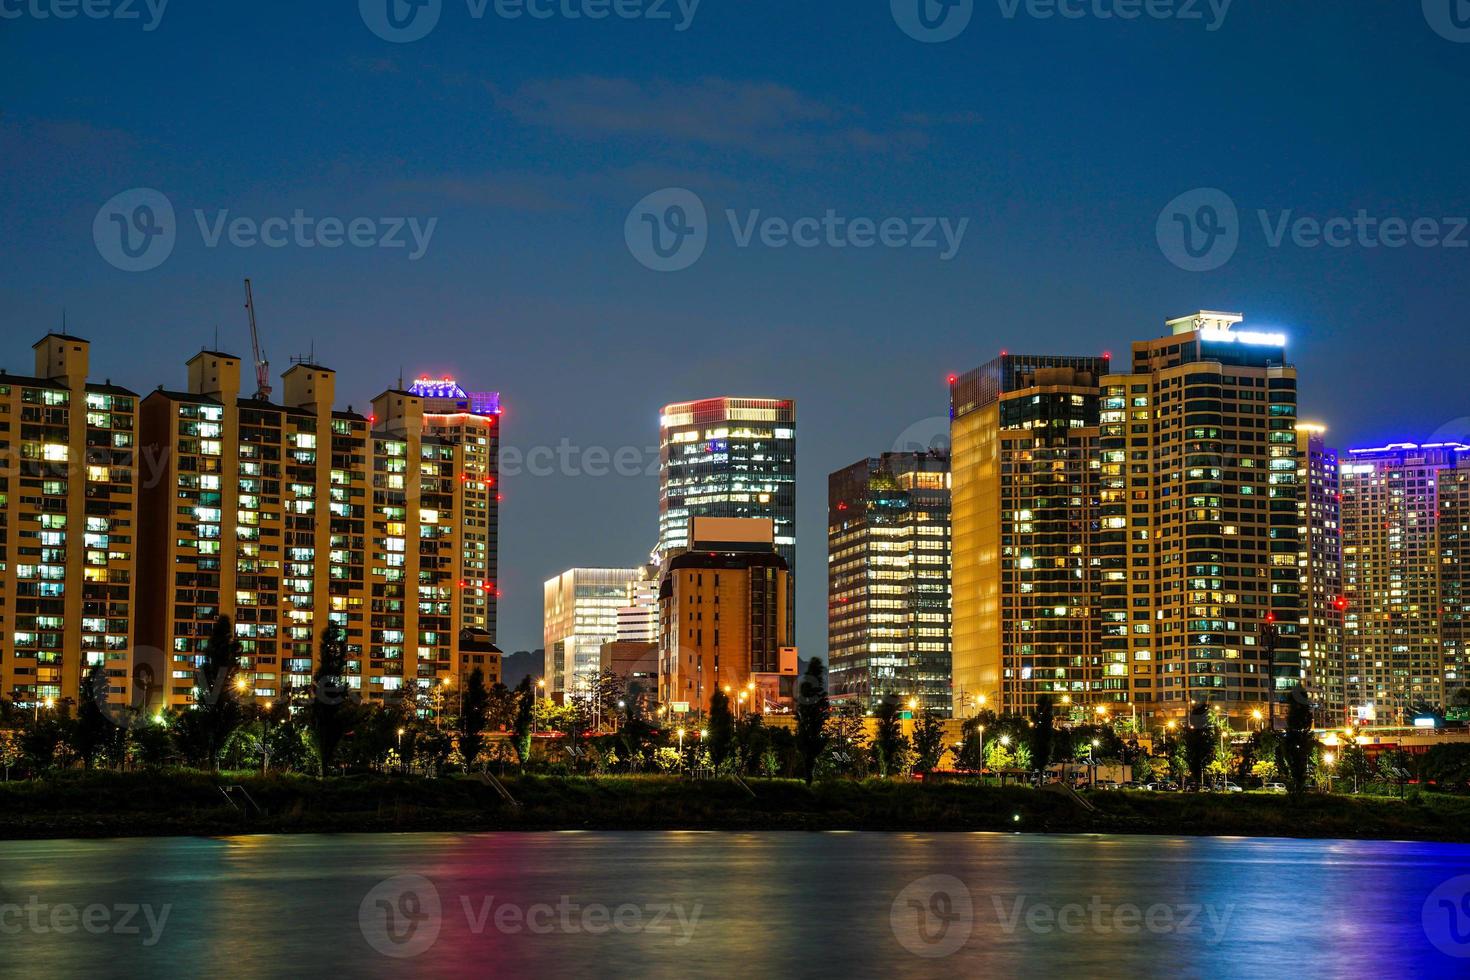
761,118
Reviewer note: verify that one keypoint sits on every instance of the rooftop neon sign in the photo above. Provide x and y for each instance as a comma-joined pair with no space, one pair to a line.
1253,338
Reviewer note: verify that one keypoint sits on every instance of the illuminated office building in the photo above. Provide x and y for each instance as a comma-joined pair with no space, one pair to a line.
1403,516
1319,561
1200,541
638,619
68,530
1024,436
580,614
888,599
729,457
723,619
293,517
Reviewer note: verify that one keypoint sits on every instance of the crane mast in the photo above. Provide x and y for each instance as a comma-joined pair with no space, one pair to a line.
262,366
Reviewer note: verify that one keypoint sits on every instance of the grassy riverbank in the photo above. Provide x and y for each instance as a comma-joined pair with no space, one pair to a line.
108,804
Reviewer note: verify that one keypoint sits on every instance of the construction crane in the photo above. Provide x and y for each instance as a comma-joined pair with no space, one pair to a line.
262,366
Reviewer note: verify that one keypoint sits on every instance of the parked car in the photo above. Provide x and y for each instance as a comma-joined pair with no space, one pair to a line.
1228,787
1274,787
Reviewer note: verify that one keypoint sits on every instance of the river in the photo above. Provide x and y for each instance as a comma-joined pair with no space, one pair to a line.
712,904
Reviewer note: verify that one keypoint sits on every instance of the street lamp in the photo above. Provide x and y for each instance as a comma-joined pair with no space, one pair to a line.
681,748
1256,716
400,750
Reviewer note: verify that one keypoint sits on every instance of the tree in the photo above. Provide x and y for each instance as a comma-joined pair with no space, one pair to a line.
525,719
928,742
330,713
1353,765
473,711
999,757
890,748
206,728
93,730
721,728
812,711
1393,768
1043,733
846,750
1199,743
41,742
1298,743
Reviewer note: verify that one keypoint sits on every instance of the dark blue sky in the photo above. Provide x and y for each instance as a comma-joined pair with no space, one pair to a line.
1059,140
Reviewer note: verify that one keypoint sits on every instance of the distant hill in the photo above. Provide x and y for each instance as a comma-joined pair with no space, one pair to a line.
522,663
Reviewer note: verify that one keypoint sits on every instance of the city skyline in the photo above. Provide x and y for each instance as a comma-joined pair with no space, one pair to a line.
531,142
932,431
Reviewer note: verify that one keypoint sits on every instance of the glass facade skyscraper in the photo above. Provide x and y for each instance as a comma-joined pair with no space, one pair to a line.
888,600
729,457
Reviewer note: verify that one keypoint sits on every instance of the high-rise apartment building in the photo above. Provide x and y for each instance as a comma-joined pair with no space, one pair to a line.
1319,561
1199,536
723,618
729,457
580,614
68,530
1454,585
293,517
1024,435
1403,515
888,590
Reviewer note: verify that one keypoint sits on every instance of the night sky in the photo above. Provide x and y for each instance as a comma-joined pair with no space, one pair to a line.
1061,141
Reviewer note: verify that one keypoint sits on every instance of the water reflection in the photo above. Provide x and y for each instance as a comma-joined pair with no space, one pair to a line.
682,904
